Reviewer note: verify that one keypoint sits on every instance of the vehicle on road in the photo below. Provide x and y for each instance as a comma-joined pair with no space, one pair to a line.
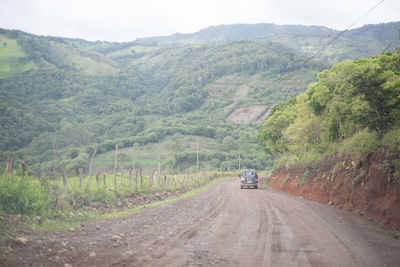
248,179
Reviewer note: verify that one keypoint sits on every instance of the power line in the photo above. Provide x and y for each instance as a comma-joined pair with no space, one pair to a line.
342,32
332,40
387,47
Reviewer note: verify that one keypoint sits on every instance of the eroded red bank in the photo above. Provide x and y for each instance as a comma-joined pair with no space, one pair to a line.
365,189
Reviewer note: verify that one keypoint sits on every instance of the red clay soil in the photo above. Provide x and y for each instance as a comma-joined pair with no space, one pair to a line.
365,189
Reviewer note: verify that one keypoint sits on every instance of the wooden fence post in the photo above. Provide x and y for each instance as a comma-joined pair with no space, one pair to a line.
90,165
149,180
115,166
172,177
136,182
133,169
179,178
9,164
65,180
197,150
97,179
104,177
130,177
80,177
141,179
159,172
152,178
53,162
156,180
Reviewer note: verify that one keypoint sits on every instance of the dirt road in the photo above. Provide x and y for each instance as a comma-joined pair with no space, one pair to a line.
221,226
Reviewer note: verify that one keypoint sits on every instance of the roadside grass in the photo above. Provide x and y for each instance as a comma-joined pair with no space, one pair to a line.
63,209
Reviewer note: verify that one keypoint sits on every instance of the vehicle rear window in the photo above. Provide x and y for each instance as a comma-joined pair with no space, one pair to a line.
249,173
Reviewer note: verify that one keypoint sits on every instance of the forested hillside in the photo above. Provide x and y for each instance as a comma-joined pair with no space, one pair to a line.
352,111
339,142
154,98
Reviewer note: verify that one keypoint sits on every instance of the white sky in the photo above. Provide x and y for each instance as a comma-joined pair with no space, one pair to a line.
126,20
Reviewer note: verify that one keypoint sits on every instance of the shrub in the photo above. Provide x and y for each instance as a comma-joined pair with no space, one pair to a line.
360,145
396,173
87,195
392,140
24,195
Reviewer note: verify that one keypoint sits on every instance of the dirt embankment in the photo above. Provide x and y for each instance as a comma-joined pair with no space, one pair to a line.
367,189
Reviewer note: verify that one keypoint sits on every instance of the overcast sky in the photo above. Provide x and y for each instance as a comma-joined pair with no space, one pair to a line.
124,20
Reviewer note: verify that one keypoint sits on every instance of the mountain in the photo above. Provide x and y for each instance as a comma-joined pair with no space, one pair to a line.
22,51
153,98
366,41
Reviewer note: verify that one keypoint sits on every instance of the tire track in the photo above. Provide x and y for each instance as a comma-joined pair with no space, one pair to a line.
191,232
317,243
165,252
277,243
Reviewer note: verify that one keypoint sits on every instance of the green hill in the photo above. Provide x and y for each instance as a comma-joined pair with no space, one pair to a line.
149,98
366,41
13,58
22,51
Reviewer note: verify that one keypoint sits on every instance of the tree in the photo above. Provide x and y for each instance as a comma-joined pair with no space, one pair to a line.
220,134
380,88
228,143
281,117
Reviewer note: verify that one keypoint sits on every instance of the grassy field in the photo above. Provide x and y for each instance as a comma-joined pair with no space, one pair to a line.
146,156
12,57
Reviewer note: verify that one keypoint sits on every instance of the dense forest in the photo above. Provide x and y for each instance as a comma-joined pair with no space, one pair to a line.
352,112
61,98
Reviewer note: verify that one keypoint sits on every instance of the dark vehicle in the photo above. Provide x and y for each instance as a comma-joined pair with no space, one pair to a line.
248,178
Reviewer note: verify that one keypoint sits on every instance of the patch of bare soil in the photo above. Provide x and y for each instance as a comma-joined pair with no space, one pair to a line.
245,114
265,115
368,190
241,92
221,226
